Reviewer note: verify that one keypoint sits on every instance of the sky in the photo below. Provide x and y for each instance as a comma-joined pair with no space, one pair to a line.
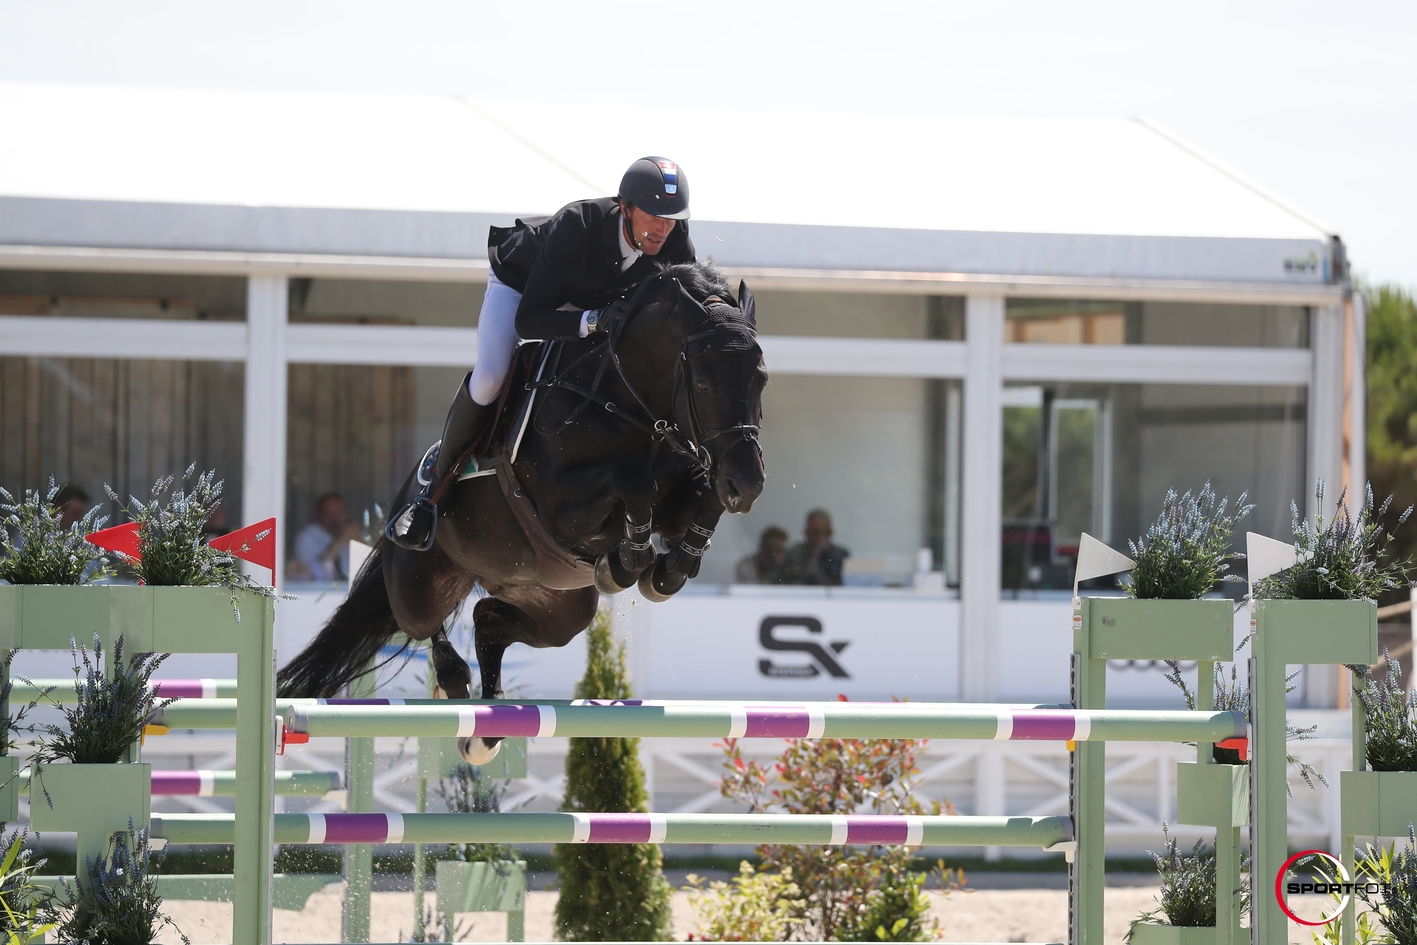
1315,102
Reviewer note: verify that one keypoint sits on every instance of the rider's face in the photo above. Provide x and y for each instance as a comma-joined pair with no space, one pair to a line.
647,231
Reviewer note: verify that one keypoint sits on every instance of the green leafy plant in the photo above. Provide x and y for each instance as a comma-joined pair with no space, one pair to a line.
609,892
173,541
469,791
1186,551
1373,865
1232,695
1342,558
118,902
110,710
752,907
22,902
1396,904
1389,713
1187,896
849,892
36,549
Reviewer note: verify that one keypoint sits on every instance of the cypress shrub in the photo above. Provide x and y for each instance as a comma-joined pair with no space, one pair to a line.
610,892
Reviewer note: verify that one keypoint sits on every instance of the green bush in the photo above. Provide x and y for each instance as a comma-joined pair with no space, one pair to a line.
1187,896
1342,559
34,549
1388,711
848,893
110,710
1186,551
753,907
1396,905
23,904
610,891
116,902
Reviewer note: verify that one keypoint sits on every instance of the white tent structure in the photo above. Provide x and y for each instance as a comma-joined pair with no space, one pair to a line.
831,209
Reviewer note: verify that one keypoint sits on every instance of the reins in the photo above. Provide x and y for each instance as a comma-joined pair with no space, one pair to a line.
664,433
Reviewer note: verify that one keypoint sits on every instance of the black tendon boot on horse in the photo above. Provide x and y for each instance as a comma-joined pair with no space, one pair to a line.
415,525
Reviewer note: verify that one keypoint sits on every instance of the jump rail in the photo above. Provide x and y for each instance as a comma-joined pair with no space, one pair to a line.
1045,832
435,718
218,783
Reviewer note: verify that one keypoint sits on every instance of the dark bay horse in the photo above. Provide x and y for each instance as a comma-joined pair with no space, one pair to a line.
649,428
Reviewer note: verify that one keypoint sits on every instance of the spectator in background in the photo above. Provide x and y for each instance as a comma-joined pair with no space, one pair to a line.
322,547
764,566
815,560
72,502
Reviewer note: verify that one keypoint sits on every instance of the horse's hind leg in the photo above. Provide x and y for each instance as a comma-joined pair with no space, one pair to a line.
547,618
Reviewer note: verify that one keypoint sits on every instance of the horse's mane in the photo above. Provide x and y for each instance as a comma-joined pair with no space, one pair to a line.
702,281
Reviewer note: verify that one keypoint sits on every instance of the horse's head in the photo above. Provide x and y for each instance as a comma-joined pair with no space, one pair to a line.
716,387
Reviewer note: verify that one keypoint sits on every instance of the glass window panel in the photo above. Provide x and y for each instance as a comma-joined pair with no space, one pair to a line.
122,295
1071,321
93,421
1100,458
859,315
376,302
880,455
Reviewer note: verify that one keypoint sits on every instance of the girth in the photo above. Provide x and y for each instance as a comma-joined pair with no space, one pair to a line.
556,567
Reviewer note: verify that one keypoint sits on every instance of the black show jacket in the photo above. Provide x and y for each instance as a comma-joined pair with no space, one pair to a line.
572,258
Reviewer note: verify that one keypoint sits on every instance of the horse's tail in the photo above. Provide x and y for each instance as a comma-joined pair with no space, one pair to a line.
348,643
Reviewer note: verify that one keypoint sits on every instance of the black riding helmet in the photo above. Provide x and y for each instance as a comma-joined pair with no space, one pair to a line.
657,185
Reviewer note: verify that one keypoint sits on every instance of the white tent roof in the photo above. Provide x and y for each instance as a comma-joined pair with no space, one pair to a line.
408,176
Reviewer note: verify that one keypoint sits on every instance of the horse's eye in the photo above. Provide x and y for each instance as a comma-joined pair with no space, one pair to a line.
701,385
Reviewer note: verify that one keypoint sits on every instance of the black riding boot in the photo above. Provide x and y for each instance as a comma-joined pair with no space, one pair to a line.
414,526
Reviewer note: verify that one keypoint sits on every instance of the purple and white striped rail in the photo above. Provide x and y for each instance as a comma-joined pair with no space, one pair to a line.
433,718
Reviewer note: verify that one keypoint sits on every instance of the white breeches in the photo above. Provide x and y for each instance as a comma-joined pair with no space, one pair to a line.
496,340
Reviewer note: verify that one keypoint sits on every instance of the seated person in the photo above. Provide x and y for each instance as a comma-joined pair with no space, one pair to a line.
815,560
322,547
764,566
72,502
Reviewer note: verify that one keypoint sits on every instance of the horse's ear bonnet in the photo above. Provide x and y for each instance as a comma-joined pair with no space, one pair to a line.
730,331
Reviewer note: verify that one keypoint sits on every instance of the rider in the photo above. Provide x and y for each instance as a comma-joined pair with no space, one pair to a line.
554,277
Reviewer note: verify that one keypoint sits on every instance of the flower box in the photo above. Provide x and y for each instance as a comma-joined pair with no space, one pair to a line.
1317,631
1119,628
1378,803
150,619
94,801
1156,933
1213,795
481,887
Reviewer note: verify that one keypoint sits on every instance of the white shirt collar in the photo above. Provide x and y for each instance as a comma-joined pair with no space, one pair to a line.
628,253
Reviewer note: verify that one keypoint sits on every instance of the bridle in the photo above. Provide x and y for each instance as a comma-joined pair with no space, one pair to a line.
682,433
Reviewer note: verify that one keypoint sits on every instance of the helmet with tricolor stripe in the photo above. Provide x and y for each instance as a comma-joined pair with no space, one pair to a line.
657,185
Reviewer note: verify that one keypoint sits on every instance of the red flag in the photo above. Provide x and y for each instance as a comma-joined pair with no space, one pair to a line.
120,539
254,543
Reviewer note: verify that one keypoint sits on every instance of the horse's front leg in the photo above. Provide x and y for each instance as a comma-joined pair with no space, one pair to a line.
589,496
673,570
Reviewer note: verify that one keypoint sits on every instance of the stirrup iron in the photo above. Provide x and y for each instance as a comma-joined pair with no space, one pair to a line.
416,526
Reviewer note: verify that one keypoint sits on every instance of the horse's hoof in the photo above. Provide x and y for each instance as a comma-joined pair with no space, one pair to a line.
605,577
476,751
439,693
650,592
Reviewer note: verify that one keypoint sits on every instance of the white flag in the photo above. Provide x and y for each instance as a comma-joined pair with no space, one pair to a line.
358,554
1096,560
1265,556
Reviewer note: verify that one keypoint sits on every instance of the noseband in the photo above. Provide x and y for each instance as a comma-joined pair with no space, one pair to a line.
682,433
